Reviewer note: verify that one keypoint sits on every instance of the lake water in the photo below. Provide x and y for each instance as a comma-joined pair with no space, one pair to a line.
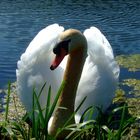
20,21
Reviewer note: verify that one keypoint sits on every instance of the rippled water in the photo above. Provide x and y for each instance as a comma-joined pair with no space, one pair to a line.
20,21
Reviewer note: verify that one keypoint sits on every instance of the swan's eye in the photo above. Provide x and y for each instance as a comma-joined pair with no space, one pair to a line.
63,44
56,50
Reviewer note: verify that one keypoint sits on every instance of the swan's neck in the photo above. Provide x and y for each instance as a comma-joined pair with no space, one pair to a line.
71,77
67,99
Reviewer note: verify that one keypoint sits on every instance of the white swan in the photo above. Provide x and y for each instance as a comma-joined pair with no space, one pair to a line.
91,70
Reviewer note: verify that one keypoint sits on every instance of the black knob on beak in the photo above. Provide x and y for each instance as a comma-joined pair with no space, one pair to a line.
56,50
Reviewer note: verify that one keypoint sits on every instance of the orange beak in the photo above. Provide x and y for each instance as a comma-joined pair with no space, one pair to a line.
58,59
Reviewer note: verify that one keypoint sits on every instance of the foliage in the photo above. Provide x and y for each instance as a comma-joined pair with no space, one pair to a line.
121,121
38,129
131,62
101,128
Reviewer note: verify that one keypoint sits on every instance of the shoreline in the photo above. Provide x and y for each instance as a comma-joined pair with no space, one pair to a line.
17,112
16,109
130,97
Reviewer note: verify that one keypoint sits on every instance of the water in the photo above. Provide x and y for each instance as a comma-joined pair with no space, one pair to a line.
20,21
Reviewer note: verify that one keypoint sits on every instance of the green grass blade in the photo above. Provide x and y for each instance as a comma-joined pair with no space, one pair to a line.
33,114
8,129
47,112
55,100
80,104
20,129
88,110
109,132
121,122
48,106
7,102
67,122
42,88
39,109
81,127
75,112
28,133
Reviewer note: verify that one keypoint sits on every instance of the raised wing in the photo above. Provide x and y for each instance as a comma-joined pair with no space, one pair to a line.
100,49
100,74
33,68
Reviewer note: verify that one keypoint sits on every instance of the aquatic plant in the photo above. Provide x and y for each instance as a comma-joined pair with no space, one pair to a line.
120,122
101,128
131,62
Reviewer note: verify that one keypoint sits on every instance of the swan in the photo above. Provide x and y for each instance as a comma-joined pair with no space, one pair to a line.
85,61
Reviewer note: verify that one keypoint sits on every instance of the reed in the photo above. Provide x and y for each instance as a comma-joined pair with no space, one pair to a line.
101,129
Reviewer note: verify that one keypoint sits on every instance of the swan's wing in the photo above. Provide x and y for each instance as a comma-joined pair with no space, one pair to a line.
33,68
100,74
100,49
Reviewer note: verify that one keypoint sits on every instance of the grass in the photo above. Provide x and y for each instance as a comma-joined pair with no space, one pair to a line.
112,126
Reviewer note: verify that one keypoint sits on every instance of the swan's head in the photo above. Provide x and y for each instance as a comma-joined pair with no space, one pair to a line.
70,41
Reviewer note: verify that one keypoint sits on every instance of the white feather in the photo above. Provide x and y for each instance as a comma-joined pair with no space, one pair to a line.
99,77
100,74
34,67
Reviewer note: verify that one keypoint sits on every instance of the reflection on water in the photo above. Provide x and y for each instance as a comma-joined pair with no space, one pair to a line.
20,21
